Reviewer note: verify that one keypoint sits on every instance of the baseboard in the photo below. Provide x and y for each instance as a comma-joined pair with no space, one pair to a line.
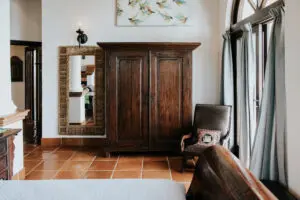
50,142
77,142
20,175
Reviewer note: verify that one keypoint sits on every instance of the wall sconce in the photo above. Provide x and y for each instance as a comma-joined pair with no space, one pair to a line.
82,38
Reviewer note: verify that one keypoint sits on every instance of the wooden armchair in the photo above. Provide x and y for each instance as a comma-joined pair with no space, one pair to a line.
219,175
211,117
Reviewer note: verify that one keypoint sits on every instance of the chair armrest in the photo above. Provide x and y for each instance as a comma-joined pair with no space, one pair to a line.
183,138
224,138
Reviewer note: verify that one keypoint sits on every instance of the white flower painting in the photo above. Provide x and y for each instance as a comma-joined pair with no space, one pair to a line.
152,12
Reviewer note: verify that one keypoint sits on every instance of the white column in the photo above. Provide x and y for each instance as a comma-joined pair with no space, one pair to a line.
76,104
6,104
75,74
76,110
91,79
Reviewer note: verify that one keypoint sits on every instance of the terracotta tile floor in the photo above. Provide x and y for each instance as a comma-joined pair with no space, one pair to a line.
75,163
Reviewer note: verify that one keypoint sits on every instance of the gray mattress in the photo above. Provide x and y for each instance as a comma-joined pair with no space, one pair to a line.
126,189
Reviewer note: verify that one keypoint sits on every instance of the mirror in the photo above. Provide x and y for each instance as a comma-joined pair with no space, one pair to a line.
88,85
82,90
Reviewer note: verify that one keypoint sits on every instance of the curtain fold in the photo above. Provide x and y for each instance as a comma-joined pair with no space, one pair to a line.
246,73
227,92
269,151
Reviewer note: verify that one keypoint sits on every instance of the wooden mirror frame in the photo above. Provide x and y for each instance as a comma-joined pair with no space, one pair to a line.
64,128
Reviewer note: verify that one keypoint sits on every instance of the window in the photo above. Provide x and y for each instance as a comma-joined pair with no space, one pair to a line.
246,8
249,11
267,2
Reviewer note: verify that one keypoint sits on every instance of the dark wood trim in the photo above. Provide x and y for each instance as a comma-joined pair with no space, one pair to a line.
25,43
76,124
50,142
235,150
78,142
75,94
9,132
259,17
235,11
33,87
29,124
78,94
150,45
39,95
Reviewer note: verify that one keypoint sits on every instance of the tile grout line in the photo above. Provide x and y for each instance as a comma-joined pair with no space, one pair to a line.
29,152
113,172
87,169
27,173
60,169
55,150
41,161
33,169
169,168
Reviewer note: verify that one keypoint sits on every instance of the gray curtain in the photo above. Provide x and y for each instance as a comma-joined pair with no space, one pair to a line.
246,67
269,150
227,84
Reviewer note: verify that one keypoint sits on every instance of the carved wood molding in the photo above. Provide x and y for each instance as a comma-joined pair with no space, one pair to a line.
14,117
64,94
150,45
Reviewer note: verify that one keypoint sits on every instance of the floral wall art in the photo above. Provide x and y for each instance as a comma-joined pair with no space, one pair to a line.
152,12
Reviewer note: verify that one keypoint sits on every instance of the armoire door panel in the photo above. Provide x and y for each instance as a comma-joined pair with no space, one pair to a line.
130,99
169,91
128,109
169,81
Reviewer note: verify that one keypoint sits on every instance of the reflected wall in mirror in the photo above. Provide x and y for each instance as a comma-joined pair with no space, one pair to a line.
81,91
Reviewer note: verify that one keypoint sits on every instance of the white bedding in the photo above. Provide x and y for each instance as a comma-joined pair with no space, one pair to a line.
126,189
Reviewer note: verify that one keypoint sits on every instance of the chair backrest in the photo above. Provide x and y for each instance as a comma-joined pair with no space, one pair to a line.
219,175
212,117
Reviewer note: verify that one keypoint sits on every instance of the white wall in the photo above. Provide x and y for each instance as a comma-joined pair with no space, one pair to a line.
98,20
18,88
6,105
77,109
26,19
292,41
225,14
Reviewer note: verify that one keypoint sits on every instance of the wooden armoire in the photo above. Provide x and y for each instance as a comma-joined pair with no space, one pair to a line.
148,95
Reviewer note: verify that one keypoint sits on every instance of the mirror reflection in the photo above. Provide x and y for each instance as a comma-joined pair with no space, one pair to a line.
88,86
82,90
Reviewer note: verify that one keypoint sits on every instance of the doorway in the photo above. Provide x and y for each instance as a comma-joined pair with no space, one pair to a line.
27,90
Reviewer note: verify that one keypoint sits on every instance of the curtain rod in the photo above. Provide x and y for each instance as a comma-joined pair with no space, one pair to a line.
262,16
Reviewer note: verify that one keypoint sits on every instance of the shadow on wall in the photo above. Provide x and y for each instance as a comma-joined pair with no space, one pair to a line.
18,83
